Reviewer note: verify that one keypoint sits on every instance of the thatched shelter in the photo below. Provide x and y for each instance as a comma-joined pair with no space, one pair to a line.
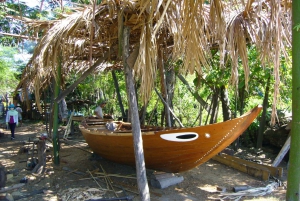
180,29
170,29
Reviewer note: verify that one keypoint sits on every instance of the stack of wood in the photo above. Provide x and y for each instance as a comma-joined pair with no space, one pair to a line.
163,180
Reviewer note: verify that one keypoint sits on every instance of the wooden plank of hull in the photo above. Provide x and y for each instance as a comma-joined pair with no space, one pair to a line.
170,156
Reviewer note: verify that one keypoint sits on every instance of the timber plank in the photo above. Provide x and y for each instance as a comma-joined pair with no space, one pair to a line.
257,170
274,171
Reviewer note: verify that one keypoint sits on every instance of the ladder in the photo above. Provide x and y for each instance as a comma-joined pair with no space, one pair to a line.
67,131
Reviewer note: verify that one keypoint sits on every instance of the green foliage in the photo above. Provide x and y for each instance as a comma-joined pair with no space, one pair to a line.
14,26
8,73
297,27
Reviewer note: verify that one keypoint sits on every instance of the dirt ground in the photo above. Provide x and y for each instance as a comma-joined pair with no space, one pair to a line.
81,175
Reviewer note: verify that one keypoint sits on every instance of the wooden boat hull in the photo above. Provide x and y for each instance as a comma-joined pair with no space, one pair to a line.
174,150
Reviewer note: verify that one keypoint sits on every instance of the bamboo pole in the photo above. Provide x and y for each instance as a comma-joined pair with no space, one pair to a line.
55,116
293,186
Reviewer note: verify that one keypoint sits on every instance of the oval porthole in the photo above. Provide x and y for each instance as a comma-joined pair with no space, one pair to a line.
180,137
187,136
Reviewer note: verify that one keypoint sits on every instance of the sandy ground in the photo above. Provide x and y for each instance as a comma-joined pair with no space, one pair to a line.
81,175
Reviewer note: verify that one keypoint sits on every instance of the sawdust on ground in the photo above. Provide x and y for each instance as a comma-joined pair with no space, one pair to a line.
82,175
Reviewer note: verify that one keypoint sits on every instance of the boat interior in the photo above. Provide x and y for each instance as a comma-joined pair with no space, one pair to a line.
116,126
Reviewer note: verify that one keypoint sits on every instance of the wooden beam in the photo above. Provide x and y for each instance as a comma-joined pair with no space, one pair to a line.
257,170
283,151
83,76
194,93
164,102
19,36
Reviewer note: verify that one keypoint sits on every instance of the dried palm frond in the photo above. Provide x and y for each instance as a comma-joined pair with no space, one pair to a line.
186,29
267,25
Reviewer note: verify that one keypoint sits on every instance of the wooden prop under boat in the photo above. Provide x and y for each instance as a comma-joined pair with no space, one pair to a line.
166,149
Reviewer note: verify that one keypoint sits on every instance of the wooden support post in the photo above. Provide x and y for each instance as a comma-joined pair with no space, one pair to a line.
283,151
41,149
70,126
55,138
136,129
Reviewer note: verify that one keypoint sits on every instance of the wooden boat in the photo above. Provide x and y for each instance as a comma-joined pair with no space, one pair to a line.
166,149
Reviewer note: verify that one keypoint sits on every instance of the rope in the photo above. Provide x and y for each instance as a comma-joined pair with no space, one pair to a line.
261,191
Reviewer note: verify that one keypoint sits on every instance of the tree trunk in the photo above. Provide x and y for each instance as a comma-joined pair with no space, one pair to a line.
143,114
194,93
136,129
225,103
170,84
51,109
164,88
293,190
240,107
262,121
241,100
214,109
55,138
118,93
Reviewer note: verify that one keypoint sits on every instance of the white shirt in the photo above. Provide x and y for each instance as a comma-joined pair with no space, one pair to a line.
98,110
14,114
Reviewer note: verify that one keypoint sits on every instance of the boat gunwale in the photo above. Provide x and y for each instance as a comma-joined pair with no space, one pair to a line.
156,129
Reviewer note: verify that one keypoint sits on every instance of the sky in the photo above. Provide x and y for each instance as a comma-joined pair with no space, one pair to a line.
31,3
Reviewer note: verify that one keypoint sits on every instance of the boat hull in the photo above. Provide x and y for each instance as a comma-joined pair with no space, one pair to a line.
174,150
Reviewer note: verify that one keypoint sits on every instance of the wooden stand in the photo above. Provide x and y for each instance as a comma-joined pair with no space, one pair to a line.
163,180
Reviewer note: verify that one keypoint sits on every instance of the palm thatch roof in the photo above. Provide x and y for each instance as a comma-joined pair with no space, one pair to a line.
185,29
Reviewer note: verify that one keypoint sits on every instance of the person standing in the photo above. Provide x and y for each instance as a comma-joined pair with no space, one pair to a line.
19,110
12,120
98,111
